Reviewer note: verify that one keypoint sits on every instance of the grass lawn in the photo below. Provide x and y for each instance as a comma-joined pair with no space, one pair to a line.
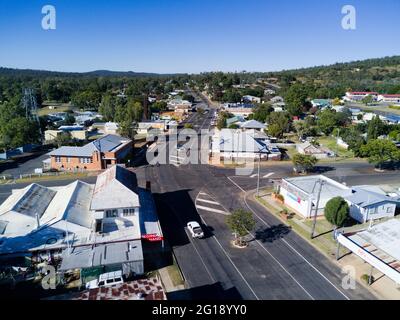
60,108
330,142
175,275
66,176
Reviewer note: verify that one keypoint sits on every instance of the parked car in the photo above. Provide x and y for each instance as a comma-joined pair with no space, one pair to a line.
195,229
106,280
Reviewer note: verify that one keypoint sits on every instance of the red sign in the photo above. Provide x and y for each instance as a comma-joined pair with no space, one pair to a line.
152,237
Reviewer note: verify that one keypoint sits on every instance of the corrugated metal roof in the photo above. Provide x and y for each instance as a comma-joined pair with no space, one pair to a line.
34,201
365,198
104,144
115,188
231,140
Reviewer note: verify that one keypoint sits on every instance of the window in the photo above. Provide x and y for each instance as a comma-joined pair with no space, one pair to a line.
112,213
372,210
129,212
86,160
68,160
58,159
389,209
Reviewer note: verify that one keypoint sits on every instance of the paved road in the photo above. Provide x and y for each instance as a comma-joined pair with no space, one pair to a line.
276,265
350,173
25,165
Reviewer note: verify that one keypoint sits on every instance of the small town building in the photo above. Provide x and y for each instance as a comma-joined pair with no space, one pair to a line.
97,155
389,98
371,203
378,245
252,124
321,103
252,99
319,152
232,144
301,193
239,109
359,96
107,226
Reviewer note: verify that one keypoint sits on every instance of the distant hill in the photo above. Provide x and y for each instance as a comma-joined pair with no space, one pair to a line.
96,73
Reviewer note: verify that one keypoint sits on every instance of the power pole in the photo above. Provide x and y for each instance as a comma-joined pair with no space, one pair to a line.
31,108
321,183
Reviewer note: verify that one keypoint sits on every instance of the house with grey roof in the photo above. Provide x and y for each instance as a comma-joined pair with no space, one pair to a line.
97,155
368,203
252,124
230,144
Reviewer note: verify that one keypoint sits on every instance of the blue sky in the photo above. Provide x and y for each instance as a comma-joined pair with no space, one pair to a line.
194,35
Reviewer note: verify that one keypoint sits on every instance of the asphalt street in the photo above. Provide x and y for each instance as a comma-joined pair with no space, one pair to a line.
278,264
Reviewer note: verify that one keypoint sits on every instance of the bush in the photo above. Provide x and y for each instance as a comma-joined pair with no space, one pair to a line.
365,278
337,211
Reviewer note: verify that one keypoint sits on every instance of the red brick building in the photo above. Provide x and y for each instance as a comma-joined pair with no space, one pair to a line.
97,155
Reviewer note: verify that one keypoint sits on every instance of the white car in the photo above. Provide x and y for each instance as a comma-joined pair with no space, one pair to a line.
106,280
195,229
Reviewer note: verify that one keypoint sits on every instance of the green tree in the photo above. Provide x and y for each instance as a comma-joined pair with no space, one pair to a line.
380,152
278,124
107,107
296,98
327,121
337,211
126,129
261,112
304,162
240,222
375,128
18,132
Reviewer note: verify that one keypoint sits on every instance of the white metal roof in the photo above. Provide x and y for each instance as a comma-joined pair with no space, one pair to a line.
115,188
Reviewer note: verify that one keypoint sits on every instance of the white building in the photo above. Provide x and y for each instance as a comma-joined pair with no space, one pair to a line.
371,203
320,152
239,109
378,245
230,144
301,193
359,96
389,98
252,124
111,128
81,218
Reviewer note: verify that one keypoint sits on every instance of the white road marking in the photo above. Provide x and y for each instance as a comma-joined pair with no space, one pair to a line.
230,260
208,201
229,178
269,174
298,253
254,175
198,253
290,246
203,194
212,210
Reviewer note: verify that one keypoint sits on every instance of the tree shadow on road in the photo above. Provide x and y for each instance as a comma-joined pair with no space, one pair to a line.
272,233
